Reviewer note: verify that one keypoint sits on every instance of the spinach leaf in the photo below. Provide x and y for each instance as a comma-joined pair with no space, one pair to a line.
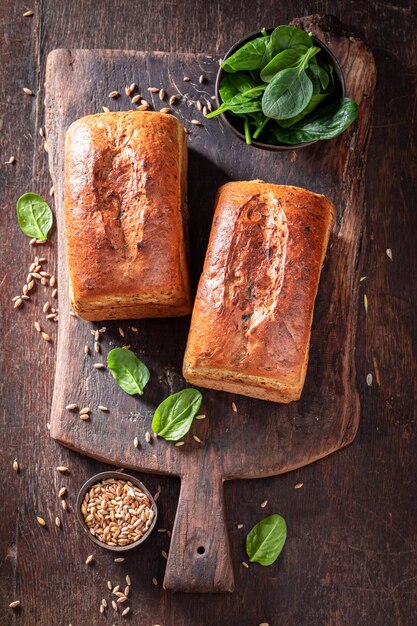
321,75
290,90
226,89
34,216
266,540
242,81
316,99
174,416
325,123
248,57
260,125
127,370
245,102
281,61
284,37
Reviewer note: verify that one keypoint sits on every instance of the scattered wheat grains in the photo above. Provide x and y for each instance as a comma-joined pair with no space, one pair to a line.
173,100
186,79
136,99
245,564
161,94
119,559
62,492
126,611
99,366
199,105
148,436
106,109
165,110
264,503
89,559
200,417
128,580
41,521
196,122
197,439
298,485
136,442
201,79
388,252
101,407
62,469
234,407
114,605
154,581
71,407
365,302
64,504
240,526
28,91
11,160
114,94
376,368
14,604
28,14
57,522
369,379
179,443
164,554
15,466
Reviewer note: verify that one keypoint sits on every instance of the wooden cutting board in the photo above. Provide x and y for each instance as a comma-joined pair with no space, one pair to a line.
261,438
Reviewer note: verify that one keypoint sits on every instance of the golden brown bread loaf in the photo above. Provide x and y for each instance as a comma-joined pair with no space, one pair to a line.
251,323
125,215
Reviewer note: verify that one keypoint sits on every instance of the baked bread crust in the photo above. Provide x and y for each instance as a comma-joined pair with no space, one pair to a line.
125,211
251,323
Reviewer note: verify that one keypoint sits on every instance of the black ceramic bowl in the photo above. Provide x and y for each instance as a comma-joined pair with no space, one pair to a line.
236,125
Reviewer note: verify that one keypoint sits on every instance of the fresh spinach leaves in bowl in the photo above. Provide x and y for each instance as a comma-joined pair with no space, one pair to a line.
283,88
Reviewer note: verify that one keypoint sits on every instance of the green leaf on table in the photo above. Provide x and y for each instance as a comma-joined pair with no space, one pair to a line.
174,416
127,370
265,541
34,216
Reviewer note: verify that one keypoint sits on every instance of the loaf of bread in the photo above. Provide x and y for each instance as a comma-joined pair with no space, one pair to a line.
251,323
125,209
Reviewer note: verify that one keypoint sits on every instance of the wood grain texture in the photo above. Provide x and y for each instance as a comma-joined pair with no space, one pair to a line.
351,553
326,417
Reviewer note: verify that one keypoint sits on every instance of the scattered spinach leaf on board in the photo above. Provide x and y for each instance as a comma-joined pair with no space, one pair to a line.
174,416
34,216
266,540
324,123
127,370
274,84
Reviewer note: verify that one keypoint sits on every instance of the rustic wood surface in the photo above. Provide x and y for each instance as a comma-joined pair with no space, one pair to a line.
232,443
351,553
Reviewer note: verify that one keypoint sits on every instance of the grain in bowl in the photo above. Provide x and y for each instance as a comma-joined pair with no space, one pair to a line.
116,510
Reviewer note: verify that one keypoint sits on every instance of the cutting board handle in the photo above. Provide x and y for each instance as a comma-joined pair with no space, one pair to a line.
199,556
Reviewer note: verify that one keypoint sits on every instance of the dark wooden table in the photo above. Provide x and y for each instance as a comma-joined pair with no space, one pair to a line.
350,557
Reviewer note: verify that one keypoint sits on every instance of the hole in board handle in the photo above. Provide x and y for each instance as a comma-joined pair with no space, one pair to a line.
201,550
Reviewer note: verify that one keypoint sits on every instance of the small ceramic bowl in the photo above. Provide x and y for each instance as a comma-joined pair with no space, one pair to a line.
235,124
117,476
